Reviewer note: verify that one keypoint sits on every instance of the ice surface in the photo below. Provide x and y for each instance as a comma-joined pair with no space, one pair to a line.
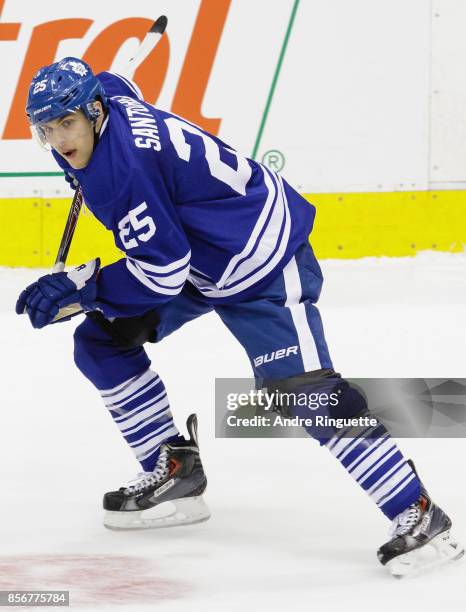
289,529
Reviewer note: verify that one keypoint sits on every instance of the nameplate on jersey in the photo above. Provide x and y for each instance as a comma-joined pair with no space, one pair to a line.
142,122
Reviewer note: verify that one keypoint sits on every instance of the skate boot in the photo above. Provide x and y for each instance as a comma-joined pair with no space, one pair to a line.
170,495
420,539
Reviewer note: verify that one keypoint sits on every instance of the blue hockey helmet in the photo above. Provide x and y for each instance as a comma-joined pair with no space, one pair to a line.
60,89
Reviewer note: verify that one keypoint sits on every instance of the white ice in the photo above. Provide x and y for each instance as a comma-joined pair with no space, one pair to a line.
289,529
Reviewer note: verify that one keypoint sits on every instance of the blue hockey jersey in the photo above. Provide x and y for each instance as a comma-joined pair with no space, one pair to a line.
185,208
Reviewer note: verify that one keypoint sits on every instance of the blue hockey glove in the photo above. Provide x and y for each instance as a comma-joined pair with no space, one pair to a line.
43,299
73,183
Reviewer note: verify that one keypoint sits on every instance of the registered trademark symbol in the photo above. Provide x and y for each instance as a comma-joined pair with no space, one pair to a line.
274,159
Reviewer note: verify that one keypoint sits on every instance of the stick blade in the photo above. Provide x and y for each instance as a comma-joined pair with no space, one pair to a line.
159,25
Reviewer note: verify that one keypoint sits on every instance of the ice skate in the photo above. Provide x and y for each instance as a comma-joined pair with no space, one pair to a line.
171,495
420,540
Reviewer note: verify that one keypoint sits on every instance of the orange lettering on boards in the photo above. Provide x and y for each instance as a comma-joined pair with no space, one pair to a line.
198,63
8,31
150,75
42,50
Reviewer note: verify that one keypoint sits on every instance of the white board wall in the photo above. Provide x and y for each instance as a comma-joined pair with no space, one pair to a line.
371,94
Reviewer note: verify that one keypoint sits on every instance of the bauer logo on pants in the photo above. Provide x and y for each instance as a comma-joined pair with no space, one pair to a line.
280,354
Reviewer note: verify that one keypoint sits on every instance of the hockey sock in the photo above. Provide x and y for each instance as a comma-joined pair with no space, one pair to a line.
369,453
141,411
373,459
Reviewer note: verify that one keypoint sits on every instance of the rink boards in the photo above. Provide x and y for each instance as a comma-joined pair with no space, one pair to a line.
348,225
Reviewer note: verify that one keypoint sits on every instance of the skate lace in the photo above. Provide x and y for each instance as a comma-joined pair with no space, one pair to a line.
149,479
404,522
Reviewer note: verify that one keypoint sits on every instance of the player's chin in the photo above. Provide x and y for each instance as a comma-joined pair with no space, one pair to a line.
77,161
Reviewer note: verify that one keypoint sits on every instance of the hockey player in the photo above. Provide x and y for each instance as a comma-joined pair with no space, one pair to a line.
202,229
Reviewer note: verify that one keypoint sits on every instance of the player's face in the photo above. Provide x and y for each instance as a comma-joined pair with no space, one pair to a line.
72,136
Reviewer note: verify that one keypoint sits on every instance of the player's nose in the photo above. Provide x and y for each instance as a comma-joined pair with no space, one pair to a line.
62,143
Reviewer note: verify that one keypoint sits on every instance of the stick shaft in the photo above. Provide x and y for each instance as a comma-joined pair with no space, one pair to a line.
68,232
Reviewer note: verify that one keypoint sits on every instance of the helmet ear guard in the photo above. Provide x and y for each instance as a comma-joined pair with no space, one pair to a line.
64,88
93,112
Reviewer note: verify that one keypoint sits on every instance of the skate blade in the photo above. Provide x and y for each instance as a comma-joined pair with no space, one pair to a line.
439,551
183,511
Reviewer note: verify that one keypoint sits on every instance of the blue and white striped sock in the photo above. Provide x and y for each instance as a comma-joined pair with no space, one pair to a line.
373,459
140,408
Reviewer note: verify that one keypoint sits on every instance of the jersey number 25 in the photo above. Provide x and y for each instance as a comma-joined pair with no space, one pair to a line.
132,221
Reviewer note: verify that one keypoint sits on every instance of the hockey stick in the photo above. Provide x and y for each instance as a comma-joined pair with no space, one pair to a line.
68,232
149,42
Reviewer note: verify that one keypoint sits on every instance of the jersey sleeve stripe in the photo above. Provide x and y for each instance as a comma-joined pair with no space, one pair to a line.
180,263
152,284
174,279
